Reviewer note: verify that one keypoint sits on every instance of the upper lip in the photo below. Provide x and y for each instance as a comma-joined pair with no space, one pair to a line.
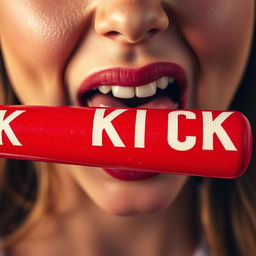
135,77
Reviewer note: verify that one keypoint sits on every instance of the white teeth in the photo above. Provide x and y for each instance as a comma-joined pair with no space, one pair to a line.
146,90
162,83
105,89
123,92
142,91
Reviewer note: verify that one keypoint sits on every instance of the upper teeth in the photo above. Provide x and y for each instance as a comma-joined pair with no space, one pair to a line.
142,91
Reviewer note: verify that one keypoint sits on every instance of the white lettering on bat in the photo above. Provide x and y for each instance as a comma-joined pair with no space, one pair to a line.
101,123
140,125
173,127
211,127
5,126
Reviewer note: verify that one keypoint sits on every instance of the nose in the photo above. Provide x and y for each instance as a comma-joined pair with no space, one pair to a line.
130,21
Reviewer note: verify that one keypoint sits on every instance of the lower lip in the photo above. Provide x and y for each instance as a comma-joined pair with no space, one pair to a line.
127,175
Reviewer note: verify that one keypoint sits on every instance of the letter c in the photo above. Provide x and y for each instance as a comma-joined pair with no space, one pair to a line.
173,131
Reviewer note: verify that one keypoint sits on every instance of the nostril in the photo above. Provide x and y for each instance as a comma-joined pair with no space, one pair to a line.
112,33
153,30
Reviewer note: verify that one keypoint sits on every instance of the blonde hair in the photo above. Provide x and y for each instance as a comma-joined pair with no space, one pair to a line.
227,207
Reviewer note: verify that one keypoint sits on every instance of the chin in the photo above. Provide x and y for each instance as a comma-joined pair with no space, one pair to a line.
139,198
129,209
125,198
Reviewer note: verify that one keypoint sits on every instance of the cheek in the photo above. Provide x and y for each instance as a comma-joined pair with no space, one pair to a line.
216,27
37,37
219,33
37,29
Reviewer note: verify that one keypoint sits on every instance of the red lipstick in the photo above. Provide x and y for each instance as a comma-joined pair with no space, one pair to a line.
128,175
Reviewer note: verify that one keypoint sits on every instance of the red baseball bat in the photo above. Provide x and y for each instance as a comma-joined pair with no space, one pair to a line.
193,142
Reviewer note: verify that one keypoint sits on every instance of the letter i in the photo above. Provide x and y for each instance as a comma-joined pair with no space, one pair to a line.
140,124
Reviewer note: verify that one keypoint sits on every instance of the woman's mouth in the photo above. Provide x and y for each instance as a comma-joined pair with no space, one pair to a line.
156,85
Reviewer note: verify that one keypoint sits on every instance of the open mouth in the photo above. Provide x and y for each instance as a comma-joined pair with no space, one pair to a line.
156,94
157,85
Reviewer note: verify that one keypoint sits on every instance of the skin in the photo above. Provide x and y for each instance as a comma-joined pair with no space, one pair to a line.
50,47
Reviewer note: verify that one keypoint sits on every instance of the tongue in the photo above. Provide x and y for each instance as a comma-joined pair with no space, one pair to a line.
160,102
